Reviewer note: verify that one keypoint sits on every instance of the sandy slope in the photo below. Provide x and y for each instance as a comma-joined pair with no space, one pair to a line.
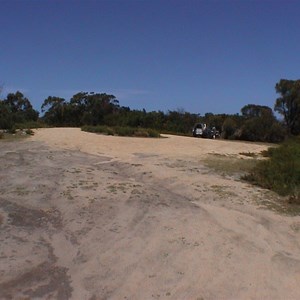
101,217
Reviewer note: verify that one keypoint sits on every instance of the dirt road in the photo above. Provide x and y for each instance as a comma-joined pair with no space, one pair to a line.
85,216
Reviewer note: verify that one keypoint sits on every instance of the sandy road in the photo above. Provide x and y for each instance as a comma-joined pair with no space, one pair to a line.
85,216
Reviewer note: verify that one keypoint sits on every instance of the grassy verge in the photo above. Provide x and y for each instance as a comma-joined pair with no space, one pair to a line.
122,131
281,171
230,165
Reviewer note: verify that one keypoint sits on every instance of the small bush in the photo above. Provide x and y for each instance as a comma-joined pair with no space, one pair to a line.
281,171
228,129
153,133
122,131
125,131
110,131
29,131
95,129
248,154
141,133
31,124
13,130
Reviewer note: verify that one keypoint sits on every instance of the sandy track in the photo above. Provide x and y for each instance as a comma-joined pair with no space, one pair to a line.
85,216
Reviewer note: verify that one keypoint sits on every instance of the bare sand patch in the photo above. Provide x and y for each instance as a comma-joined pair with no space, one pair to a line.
126,148
87,216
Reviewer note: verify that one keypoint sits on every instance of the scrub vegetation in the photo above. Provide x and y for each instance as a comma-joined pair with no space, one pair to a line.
122,131
255,122
280,172
102,113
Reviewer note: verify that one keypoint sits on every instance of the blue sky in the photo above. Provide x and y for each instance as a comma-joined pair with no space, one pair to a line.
200,56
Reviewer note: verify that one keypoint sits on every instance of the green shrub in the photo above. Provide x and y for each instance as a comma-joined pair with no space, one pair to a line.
153,133
281,171
31,124
95,129
122,131
141,133
228,129
29,131
13,130
110,131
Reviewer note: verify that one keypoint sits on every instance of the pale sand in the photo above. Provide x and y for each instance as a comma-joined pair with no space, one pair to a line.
144,219
126,148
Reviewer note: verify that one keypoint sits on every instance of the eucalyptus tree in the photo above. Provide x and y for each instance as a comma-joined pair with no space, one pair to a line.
288,104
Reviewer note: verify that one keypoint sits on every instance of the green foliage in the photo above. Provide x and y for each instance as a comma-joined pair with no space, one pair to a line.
20,108
95,129
31,124
54,108
180,121
16,109
6,116
256,122
288,105
83,108
122,131
256,111
214,120
13,130
281,171
29,131
229,128
153,133
260,125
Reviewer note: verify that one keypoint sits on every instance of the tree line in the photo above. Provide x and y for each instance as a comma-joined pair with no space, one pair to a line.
254,123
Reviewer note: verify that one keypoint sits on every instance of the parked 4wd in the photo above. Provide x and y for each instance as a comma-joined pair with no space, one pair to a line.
202,130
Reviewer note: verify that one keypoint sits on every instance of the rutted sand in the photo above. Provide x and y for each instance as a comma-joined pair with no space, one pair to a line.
87,216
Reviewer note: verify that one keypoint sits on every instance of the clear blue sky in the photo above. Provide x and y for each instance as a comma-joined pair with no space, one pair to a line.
202,56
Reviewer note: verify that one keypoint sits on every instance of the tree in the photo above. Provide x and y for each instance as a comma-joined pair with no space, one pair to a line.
98,106
214,120
256,111
20,108
229,128
54,108
6,121
288,105
260,124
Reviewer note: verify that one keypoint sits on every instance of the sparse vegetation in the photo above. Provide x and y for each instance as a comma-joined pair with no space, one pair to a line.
31,125
230,165
29,131
122,131
14,133
281,171
249,154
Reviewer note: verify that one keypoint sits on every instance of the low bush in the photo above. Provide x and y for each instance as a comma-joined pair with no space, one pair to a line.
12,130
153,133
29,131
280,172
31,124
122,131
95,129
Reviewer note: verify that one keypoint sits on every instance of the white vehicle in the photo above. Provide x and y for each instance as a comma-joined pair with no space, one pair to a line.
201,130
